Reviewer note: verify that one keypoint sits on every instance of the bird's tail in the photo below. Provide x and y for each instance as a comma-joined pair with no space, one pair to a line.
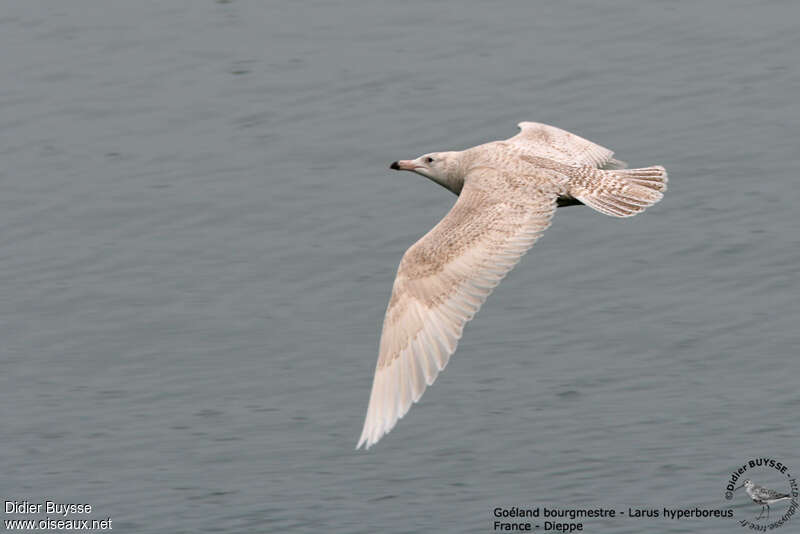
621,192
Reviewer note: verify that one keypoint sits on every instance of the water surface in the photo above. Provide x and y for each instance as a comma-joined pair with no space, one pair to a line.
200,233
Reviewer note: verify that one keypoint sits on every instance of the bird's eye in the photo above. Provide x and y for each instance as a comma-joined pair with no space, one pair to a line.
429,160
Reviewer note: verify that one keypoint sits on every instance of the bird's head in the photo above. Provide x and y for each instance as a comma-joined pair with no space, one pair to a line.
444,168
746,484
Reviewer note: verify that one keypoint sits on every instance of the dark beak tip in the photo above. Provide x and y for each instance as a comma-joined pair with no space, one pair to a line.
394,166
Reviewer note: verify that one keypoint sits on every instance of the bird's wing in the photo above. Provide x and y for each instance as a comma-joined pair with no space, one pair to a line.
444,278
770,494
545,141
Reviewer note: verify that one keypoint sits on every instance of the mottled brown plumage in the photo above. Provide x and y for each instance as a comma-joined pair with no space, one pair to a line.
508,192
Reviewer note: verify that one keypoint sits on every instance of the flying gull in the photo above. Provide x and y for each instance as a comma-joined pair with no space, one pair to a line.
507,193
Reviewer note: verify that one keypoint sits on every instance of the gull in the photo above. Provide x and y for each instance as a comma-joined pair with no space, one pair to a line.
762,496
507,193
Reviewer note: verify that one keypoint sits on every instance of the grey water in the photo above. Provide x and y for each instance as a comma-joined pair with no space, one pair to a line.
199,233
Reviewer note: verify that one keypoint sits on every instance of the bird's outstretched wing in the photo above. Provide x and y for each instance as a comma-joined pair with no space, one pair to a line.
545,141
445,277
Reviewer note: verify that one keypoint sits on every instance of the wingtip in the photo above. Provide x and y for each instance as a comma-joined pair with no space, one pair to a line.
364,440
365,443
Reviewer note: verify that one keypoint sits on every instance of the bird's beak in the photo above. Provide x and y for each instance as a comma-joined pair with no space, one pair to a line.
738,487
403,165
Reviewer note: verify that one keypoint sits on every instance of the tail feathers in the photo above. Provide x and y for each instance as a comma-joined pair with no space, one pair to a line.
621,192
653,177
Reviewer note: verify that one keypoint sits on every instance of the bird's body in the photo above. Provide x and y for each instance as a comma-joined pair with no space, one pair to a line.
763,496
508,192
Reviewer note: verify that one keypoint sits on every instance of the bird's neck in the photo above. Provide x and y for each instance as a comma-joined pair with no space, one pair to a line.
453,178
